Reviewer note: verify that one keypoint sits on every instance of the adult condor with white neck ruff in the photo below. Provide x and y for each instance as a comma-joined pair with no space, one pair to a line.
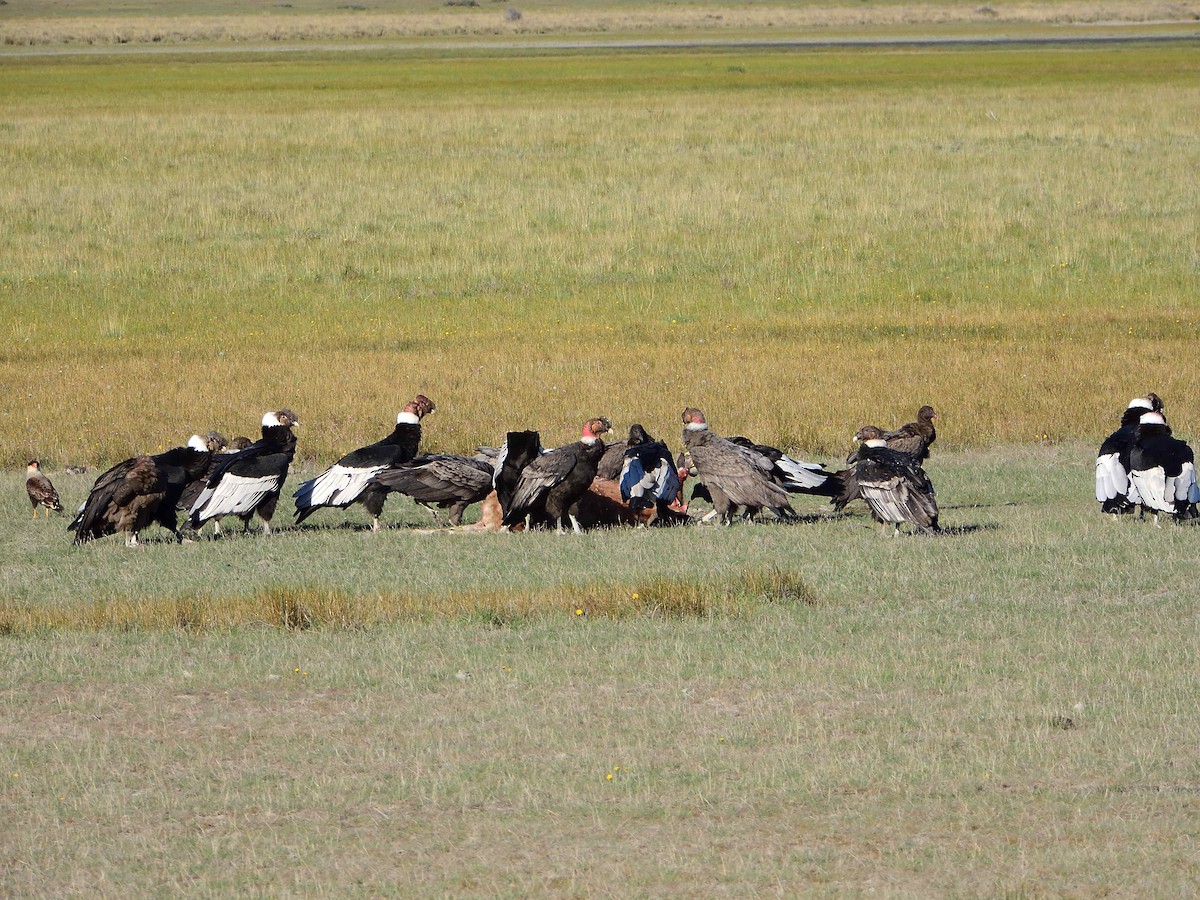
139,491
1162,470
551,486
349,479
733,475
249,482
1114,491
893,484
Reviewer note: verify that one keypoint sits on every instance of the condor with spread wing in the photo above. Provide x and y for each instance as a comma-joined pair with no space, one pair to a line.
349,480
442,481
893,484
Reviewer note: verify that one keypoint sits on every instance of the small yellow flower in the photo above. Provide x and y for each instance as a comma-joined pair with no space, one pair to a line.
578,612
635,595
608,777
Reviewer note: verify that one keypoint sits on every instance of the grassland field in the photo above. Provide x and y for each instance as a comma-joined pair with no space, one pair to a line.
798,243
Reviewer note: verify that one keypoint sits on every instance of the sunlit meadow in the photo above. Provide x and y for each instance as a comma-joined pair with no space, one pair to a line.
797,242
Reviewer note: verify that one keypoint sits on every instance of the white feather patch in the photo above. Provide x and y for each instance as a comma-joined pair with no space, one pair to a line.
234,495
1112,480
336,486
1185,485
1151,485
884,501
801,474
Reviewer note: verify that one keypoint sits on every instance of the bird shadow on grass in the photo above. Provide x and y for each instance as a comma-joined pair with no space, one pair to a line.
959,530
980,505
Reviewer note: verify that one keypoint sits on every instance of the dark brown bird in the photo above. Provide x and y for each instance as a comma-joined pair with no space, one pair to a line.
551,486
915,437
613,461
733,475
134,493
440,480
41,492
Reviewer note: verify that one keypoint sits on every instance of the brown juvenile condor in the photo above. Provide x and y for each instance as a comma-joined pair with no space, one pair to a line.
139,491
41,492
916,437
551,486
733,475
440,480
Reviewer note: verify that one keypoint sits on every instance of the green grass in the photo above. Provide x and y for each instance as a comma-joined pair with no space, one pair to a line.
535,240
1005,709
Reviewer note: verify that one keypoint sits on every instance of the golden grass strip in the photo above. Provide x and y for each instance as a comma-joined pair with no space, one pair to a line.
304,607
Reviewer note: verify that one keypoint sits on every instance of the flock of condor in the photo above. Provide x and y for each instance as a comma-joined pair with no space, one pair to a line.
585,484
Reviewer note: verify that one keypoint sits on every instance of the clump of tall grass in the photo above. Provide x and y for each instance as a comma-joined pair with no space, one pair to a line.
300,608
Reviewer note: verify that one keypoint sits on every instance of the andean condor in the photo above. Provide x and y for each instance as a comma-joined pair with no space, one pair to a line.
212,443
733,475
893,484
41,492
1162,469
915,437
552,485
440,480
139,491
613,460
349,479
648,477
1114,491
248,482
519,450
793,475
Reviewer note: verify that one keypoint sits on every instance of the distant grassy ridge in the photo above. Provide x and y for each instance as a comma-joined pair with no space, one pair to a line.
797,242
90,23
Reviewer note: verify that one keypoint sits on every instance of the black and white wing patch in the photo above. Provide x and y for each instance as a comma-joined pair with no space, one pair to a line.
337,486
234,495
